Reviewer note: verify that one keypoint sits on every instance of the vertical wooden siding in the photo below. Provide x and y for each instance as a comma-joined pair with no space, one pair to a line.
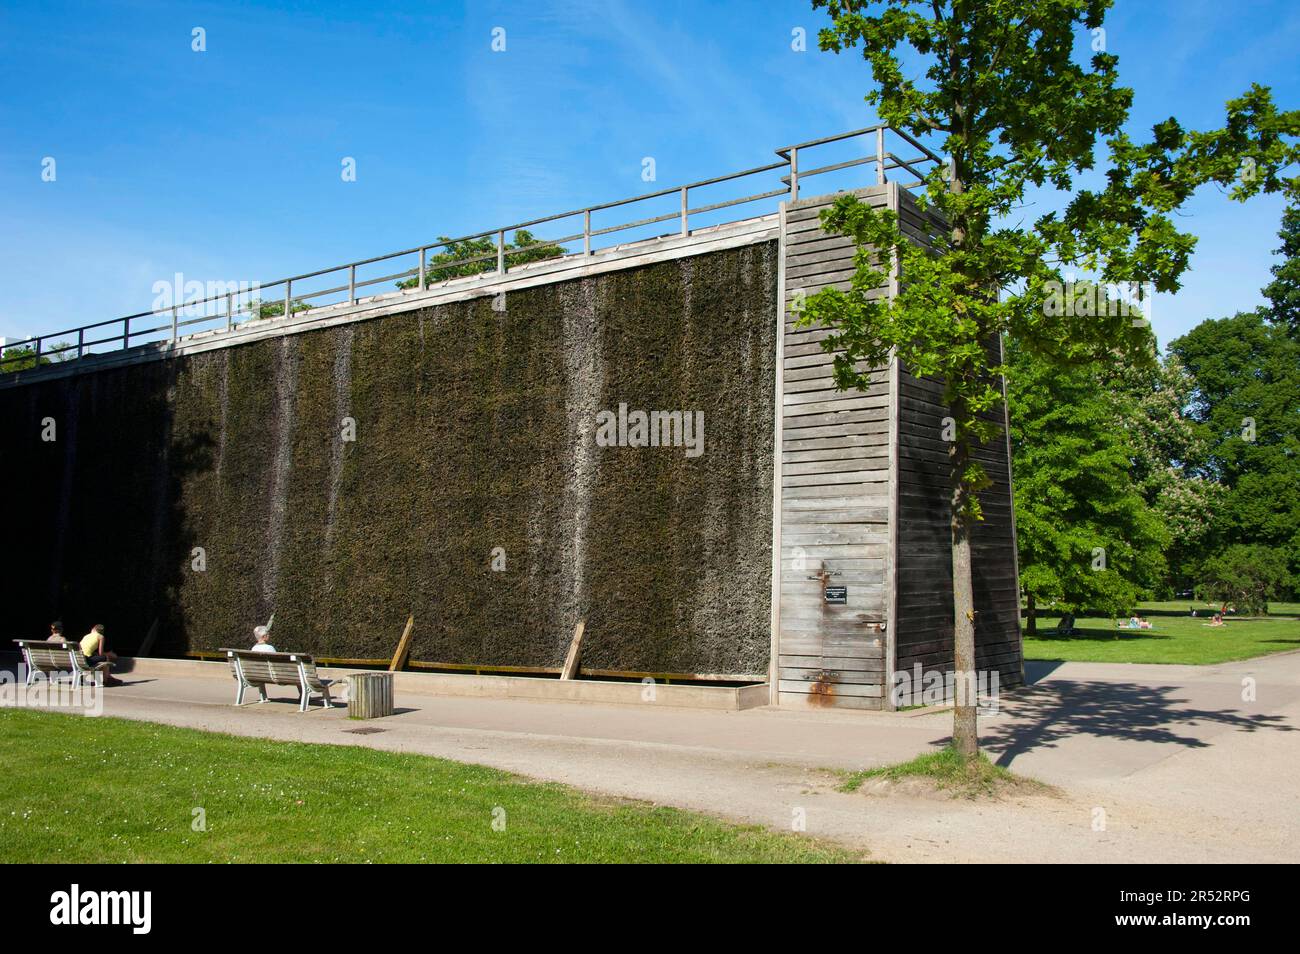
834,492
924,626
835,506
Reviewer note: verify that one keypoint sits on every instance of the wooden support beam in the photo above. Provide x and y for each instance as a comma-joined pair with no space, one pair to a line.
570,669
150,637
403,646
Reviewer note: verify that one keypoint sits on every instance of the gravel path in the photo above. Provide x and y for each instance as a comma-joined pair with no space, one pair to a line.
1151,763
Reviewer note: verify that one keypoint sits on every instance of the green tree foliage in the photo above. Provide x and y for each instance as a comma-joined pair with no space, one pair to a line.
1245,576
1088,536
1247,402
997,80
24,358
274,309
1283,292
476,256
1150,402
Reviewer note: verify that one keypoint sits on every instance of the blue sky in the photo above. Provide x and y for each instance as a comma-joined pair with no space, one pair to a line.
225,164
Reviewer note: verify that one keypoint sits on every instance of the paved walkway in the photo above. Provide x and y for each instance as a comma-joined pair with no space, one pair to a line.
1182,768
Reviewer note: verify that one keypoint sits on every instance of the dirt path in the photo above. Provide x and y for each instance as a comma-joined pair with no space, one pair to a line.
1183,769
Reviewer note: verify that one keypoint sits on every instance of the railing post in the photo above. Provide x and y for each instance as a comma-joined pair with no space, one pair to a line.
501,251
422,253
126,332
81,342
880,155
288,297
230,310
586,232
685,229
38,352
173,324
352,284
794,173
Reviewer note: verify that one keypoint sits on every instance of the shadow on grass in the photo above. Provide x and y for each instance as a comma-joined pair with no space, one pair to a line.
1048,712
1096,634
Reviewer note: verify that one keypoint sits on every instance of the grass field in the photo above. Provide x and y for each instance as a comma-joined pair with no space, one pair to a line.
84,789
948,772
1176,636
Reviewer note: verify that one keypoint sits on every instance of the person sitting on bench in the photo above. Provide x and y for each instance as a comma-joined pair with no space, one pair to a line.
262,637
96,651
56,632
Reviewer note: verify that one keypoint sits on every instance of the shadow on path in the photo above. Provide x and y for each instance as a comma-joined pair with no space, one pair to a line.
1043,714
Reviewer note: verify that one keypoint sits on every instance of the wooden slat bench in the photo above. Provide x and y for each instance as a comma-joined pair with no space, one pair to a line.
277,669
47,656
81,667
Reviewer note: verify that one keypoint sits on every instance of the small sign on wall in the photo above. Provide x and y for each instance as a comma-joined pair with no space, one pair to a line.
836,595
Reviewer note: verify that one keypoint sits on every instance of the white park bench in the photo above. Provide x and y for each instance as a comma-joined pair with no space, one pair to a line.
81,667
45,656
253,669
56,659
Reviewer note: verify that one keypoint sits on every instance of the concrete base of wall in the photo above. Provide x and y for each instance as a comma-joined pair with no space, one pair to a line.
732,698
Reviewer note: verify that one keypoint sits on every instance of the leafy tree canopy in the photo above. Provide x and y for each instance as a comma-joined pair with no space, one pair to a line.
1247,404
1245,576
997,81
476,256
1089,537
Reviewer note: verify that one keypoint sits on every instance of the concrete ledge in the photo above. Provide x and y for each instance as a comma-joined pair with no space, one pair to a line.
730,698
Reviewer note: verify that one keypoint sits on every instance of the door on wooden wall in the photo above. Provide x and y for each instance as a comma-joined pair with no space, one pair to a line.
832,639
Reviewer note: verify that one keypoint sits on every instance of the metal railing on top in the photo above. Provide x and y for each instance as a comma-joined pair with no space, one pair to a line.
231,306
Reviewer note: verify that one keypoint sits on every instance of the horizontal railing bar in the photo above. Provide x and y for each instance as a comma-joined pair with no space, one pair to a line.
846,164
734,175
635,225
149,331
904,164
731,202
323,291
47,344
785,151
911,139
96,341
388,278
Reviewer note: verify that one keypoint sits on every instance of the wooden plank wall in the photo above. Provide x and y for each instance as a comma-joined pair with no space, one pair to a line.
923,631
835,493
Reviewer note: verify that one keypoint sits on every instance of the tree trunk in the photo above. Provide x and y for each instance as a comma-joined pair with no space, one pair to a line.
965,739
1031,615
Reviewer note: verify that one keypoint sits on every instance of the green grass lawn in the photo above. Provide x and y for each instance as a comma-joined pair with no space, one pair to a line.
85,789
949,773
1177,637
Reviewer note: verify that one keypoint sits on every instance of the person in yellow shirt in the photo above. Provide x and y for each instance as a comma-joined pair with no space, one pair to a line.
96,651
